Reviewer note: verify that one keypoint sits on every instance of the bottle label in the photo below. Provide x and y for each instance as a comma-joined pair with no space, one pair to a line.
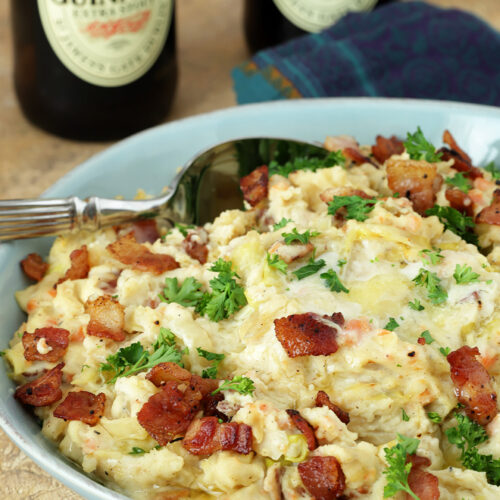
316,15
106,42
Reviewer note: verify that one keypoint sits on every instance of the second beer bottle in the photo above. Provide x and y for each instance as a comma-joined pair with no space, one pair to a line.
270,22
94,69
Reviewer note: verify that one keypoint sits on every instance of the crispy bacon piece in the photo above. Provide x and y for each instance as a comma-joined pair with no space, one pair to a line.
306,335
83,406
107,318
43,391
162,373
210,408
322,399
461,160
305,428
460,201
473,385
424,484
416,180
491,214
254,185
54,340
131,253
385,148
323,477
357,157
34,267
145,230
168,413
450,140
80,266
195,245
206,436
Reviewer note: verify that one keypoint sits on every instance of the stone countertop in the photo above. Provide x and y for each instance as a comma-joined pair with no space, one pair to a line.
210,43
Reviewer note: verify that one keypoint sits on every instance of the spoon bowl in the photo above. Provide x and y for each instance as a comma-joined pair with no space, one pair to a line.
205,186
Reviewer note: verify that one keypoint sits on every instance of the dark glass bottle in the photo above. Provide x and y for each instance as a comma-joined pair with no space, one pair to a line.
94,69
270,22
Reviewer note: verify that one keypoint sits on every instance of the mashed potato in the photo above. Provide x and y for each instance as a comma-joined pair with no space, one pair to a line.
389,372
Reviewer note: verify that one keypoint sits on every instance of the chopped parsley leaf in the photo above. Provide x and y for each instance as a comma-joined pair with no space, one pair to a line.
432,257
459,181
444,351
466,436
300,237
281,224
436,293
183,228
341,262
416,305
434,417
426,335
397,470
404,415
277,262
334,158
243,385
357,208
137,451
493,170
419,148
210,356
188,294
134,358
454,221
391,325
332,281
309,269
464,274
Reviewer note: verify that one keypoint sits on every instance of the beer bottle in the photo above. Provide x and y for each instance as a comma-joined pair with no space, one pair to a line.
94,69
270,22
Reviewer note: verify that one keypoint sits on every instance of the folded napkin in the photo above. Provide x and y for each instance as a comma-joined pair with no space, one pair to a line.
409,49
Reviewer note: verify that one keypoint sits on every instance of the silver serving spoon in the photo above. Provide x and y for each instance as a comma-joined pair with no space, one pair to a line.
207,185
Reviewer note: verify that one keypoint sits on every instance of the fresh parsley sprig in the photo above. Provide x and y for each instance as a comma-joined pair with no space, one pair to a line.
426,335
332,281
436,293
183,228
357,208
416,305
397,470
243,385
456,222
391,325
419,148
295,236
281,224
459,181
210,356
493,170
334,158
188,294
432,257
466,436
134,358
309,269
277,263
226,298
464,275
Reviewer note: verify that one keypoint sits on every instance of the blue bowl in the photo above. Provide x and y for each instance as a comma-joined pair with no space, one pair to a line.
149,160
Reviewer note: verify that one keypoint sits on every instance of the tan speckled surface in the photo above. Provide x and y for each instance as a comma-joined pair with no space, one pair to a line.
210,42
